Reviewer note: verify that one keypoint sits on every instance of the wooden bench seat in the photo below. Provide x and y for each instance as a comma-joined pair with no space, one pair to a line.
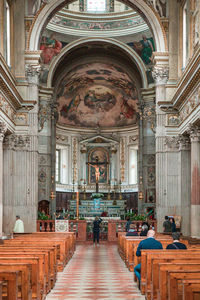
51,251
191,289
175,279
34,262
25,282
147,258
11,279
41,270
160,288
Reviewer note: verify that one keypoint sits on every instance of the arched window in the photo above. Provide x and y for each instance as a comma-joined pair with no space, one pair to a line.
96,6
7,33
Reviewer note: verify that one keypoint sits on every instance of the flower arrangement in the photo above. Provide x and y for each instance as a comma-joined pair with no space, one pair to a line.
97,195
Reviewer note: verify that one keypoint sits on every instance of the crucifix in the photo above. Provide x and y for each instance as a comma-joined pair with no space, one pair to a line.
97,165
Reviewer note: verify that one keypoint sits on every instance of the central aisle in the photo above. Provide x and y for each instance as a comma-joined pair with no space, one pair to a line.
95,273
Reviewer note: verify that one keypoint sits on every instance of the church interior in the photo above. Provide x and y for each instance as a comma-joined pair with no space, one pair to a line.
99,122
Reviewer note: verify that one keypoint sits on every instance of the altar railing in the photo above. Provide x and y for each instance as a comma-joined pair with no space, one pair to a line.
83,228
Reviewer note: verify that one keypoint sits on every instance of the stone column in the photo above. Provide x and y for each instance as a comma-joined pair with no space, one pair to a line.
185,183
195,180
46,149
160,75
3,129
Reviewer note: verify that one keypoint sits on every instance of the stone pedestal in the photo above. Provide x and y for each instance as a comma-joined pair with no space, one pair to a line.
195,180
112,231
82,232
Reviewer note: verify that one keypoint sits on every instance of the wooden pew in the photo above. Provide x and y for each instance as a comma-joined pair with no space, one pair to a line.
1,289
11,279
34,262
52,251
41,269
161,287
60,241
25,272
175,279
191,289
146,263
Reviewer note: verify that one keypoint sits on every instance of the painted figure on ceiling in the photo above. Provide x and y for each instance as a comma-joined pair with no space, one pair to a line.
144,48
50,47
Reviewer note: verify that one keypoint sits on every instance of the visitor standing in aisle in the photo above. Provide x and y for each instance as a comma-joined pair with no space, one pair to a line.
96,230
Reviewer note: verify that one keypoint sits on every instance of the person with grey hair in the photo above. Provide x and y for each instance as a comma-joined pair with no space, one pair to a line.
19,225
176,245
149,243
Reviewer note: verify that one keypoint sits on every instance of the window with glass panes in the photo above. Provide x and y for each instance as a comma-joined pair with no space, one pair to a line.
96,5
57,165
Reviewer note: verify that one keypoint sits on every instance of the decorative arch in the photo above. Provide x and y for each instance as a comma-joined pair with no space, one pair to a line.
133,55
48,10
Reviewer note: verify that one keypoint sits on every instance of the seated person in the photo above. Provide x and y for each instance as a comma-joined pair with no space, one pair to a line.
144,230
148,243
173,224
167,226
132,231
176,244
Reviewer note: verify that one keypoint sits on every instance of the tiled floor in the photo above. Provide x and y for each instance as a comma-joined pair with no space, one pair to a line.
95,273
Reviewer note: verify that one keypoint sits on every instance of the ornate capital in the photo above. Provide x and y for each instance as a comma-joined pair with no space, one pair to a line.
184,142
17,142
32,73
194,132
172,143
159,6
160,74
3,129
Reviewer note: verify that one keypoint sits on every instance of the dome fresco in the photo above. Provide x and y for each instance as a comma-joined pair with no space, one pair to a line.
97,95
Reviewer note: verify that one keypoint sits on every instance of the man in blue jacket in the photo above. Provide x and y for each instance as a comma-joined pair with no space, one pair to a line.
148,243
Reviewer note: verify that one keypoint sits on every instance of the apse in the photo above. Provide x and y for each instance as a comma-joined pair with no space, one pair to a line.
97,95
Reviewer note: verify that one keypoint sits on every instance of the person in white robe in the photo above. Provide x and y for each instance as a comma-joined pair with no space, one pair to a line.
19,225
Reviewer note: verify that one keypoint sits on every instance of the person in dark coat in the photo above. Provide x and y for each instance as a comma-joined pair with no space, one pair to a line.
128,223
176,243
144,230
173,224
148,243
132,231
96,230
167,226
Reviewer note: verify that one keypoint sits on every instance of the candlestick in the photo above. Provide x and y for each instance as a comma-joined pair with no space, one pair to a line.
77,205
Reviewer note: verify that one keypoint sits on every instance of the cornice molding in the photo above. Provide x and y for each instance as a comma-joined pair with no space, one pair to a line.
8,85
189,79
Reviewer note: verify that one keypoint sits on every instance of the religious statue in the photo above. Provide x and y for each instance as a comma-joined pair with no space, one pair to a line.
97,171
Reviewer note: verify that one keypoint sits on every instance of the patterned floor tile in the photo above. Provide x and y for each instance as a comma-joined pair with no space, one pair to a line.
95,273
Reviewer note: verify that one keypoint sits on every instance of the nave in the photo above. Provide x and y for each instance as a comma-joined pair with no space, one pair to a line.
95,273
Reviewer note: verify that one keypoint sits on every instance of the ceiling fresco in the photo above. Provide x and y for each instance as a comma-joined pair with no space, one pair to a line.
97,95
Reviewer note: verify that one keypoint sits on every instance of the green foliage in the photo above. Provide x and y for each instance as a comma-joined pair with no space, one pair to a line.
97,195
134,217
42,216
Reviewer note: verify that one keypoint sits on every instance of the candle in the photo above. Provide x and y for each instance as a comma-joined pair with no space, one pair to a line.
77,205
